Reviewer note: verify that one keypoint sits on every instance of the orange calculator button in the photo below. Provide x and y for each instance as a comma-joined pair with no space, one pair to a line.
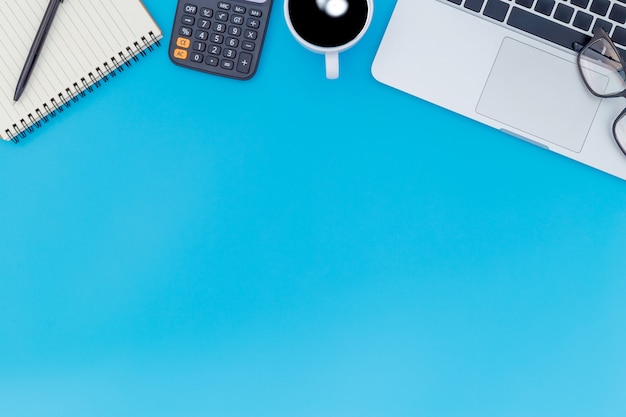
180,54
183,42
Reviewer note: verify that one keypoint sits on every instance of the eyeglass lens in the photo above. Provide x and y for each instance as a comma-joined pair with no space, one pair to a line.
602,68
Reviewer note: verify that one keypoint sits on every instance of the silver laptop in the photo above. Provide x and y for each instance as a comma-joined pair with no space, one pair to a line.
510,64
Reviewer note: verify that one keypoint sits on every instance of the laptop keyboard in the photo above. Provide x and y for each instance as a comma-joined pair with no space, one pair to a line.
568,23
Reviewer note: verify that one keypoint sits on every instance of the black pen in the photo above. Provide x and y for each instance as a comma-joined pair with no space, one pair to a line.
36,48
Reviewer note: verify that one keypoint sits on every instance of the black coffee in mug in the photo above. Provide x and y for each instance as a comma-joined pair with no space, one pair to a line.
328,26
328,23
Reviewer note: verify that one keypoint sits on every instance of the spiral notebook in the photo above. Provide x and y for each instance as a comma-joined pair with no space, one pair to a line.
89,42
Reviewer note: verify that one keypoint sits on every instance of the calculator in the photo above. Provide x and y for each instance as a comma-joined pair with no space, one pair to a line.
222,37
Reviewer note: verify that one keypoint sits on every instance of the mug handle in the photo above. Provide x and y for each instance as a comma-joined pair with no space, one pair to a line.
332,65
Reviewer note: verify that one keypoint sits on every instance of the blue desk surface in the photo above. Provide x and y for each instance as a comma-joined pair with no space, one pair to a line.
186,245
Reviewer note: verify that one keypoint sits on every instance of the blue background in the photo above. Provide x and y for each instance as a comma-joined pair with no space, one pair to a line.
180,244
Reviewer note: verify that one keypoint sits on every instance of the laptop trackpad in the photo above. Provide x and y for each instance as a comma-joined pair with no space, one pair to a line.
540,94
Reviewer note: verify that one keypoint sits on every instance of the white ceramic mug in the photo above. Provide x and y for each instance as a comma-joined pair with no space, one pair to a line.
328,26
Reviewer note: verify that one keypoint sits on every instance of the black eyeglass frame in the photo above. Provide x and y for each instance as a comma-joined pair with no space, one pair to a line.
600,34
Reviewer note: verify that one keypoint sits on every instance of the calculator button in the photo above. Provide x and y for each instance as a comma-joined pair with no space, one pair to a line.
199,46
202,35
232,42
236,19
188,20
234,30
180,54
191,9
256,13
243,63
212,61
204,24
223,5
217,38
219,27
195,57
185,31
239,9
247,45
214,49
250,34
208,13
183,42
226,64
229,53
253,23
221,16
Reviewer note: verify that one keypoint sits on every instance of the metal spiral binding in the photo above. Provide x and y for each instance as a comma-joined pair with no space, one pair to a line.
78,89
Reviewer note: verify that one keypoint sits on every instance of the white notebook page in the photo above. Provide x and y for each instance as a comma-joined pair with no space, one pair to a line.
85,36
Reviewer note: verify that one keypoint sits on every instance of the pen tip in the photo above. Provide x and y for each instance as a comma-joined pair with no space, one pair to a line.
18,94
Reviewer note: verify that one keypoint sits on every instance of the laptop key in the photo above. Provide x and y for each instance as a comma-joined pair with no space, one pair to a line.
583,21
474,5
564,13
496,9
544,6
607,26
619,36
618,14
600,7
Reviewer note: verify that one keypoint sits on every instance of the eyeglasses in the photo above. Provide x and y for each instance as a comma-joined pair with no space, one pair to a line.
604,72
